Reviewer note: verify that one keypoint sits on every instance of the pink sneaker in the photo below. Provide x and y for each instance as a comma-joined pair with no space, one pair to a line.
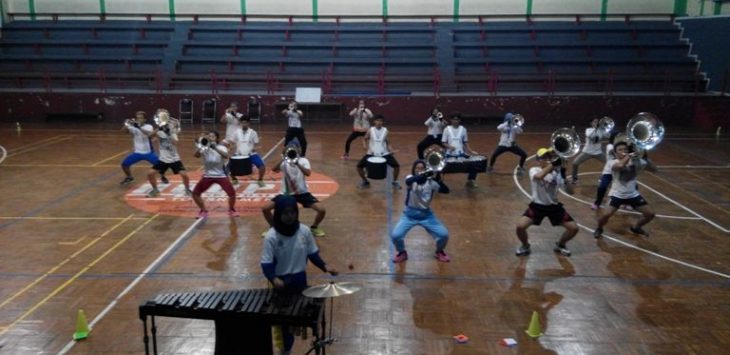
345,157
203,214
594,207
233,213
400,257
442,257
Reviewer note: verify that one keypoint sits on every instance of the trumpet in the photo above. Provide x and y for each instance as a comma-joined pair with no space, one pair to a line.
605,125
645,131
435,161
162,118
291,107
203,143
518,120
129,123
291,155
440,115
565,142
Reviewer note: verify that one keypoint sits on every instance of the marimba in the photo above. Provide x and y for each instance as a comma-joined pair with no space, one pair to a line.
243,318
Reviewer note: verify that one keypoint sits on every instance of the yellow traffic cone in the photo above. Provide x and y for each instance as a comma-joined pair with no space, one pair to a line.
534,329
82,328
278,337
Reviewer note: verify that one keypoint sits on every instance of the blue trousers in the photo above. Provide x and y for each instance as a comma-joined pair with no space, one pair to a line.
412,217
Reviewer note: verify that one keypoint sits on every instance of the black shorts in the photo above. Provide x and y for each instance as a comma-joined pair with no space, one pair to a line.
555,213
389,159
162,167
634,202
306,199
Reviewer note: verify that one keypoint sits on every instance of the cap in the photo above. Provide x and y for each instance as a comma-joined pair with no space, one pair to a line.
543,151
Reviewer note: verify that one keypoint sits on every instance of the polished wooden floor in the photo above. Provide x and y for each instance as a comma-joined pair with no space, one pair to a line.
70,242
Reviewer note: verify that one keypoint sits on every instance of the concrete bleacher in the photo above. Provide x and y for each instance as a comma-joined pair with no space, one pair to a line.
363,58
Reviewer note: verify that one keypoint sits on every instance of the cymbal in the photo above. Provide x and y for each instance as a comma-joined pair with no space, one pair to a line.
332,289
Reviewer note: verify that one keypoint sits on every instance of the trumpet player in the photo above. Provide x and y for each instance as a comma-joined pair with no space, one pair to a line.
435,124
591,149
510,128
422,184
546,180
361,117
232,119
456,142
141,133
169,157
214,157
294,170
377,144
624,189
295,130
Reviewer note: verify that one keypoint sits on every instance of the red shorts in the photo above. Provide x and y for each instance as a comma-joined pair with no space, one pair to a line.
204,184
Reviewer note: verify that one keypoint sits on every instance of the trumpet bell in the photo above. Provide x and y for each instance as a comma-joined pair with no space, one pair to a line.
162,118
435,161
606,125
291,155
518,120
565,142
645,130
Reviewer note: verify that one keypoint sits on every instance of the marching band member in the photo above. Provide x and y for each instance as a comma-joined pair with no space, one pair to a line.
456,142
361,123
421,185
214,157
294,170
142,133
546,180
435,124
246,142
232,119
288,245
606,175
624,189
295,130
507,142
591,149
377,144
169,156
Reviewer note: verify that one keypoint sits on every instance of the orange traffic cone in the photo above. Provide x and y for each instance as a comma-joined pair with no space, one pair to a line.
82,327
534,329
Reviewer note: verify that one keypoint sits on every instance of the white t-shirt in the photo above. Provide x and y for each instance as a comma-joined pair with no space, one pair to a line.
623,184
295,120
593,142
290,253
361,119
213,162
378,144
233,124
168,150
245,141
293,180
609,156
435,126
455,138
420,196
545,191
142,143
508,135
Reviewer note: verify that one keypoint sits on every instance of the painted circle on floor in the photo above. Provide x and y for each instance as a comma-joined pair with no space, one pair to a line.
250,197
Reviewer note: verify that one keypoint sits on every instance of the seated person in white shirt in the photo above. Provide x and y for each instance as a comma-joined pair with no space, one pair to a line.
294,171
377,144
456,142
546,180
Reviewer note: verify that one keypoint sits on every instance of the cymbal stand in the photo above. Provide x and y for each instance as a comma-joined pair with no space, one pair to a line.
321,344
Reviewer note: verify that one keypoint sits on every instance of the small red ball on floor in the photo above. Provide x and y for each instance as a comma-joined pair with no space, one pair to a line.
351,267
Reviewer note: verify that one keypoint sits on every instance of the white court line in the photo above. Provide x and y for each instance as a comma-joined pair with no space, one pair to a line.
44,145
149,268
4,153
624,211
693,166
680,262
685,208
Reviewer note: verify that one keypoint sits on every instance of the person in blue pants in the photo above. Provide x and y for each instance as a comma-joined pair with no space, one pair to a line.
422,184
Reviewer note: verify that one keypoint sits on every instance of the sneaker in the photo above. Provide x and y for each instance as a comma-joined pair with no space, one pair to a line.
396,185
471,184
164,180
233,213
520,171
127,180
188,192
203,214
263,234
598,233
153,193
523,250
442,257
595,207
261,183
400,257
345,157
574,181
639,231
234,180
318,232
562,250
364,185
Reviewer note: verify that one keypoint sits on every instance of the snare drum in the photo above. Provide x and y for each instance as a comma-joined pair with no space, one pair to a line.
455,165
376,168
240,165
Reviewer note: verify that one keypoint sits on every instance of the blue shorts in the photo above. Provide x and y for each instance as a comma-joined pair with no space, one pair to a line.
256,161
136,157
